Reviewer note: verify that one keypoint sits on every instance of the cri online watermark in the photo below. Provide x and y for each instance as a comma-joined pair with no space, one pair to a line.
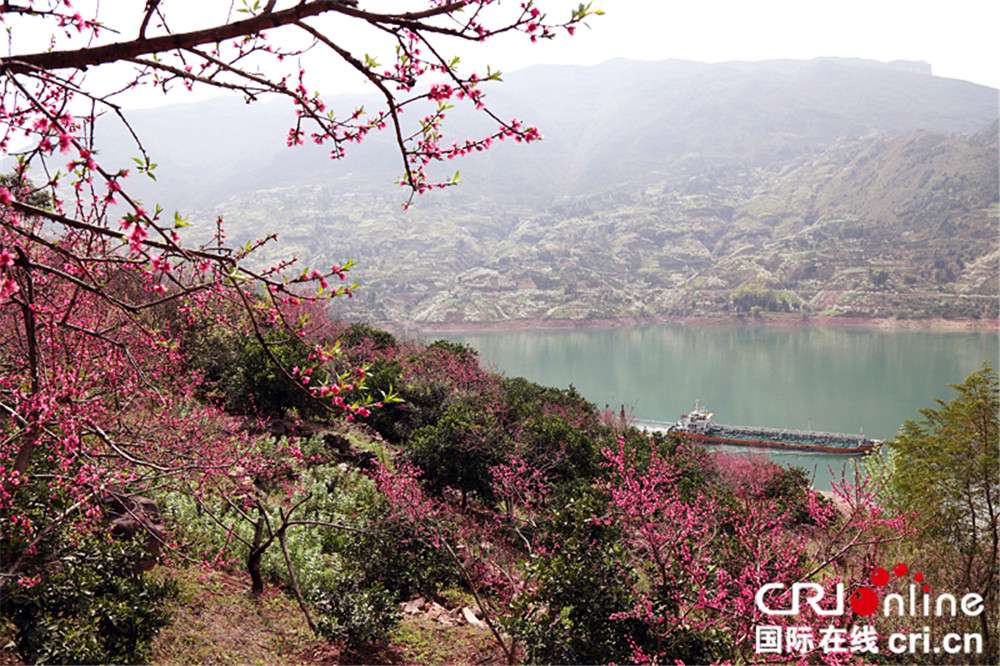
866,601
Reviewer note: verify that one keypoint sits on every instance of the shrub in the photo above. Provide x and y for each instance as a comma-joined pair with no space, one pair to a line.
460,450
88,607
396,555
252,383
573,616
754,477
335,573
360,614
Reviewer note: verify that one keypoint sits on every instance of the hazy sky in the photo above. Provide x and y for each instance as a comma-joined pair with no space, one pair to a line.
959,38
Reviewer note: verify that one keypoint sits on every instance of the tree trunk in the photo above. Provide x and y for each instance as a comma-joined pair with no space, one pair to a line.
253,559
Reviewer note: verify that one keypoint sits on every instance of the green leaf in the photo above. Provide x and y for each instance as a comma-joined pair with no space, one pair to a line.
145,166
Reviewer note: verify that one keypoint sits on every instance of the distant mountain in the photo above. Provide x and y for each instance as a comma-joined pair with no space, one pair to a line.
605,126
839,186
901,226
208,151
625,120
987,137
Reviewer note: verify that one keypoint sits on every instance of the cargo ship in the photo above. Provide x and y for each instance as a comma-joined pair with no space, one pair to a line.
698,426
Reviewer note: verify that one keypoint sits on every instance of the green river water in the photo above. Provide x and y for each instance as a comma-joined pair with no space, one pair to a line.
827,379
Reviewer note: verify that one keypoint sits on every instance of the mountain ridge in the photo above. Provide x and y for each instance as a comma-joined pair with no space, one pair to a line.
661,190
208,151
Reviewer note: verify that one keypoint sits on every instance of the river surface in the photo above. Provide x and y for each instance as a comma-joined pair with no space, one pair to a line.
826,379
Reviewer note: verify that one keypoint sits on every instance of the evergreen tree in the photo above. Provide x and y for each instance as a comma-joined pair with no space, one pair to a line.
946,467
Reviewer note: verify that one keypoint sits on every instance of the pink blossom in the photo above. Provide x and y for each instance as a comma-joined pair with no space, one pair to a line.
135,237
8,288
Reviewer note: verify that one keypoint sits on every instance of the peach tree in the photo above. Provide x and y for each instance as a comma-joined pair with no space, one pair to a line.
97,287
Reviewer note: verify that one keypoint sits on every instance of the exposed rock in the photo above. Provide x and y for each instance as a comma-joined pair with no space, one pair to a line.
278,428
365,460
435,610
470,617
337,441
131,515
414,606
347,452
293,428
367,432
447,620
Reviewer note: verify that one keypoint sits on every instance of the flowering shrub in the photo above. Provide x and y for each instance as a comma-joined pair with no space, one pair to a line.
86,606
99,293
573,612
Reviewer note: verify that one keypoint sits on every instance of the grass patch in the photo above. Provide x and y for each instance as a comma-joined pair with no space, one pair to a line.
424,641
216,620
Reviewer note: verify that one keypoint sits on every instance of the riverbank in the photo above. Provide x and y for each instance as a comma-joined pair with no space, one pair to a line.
730,320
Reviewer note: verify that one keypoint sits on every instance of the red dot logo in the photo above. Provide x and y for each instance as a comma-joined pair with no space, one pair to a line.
864,601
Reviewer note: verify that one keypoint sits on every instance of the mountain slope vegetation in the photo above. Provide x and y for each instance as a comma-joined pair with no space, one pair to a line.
670,189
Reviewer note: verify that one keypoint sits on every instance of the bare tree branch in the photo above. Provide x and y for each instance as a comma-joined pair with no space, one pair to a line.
108,53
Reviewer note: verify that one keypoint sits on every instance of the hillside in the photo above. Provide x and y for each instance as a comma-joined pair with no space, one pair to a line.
474,518
662,189
881,227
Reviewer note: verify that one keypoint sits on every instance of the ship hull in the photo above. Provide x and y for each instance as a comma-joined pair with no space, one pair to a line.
786,446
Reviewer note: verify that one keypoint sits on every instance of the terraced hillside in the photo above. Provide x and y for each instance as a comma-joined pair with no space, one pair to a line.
673,189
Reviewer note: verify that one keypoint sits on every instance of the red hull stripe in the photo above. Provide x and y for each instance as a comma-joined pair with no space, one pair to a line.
779,445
